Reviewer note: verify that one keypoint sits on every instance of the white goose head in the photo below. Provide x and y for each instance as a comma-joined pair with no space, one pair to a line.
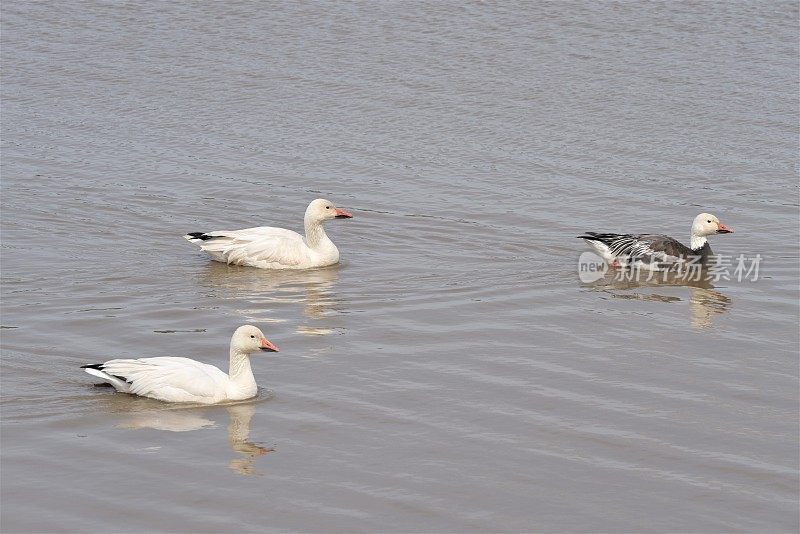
249,339
706,224
321,210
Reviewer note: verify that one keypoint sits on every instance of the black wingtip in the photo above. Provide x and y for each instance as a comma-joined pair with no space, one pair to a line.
100,367
587,235
199,235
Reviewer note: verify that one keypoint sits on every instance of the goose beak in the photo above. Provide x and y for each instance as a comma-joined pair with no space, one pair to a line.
268,346
341,214
722,229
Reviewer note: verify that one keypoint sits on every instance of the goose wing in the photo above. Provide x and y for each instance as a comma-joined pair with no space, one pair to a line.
262,244
169,379
644,248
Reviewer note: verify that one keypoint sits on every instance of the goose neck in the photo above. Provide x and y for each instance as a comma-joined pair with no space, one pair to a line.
240,370
315,232
697,242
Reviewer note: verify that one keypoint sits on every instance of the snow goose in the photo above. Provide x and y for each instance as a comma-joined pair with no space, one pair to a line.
173,379
267,247
655,251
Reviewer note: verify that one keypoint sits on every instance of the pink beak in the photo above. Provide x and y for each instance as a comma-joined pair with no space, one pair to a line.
341,214
722,229
268,346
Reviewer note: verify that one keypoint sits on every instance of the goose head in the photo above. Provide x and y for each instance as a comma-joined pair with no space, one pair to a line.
249,339
706,224
321,210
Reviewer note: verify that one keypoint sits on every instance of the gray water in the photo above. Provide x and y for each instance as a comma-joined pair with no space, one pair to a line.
453,373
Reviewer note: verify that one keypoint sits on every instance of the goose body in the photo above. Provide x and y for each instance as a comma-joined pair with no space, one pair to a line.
174,379
656,251
267,247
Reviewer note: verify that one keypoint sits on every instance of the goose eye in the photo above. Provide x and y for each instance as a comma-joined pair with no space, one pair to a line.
708,220
327,207
252,337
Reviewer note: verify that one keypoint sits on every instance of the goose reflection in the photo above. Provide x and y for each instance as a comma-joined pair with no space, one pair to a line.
238,438
705,302
262,290
146,413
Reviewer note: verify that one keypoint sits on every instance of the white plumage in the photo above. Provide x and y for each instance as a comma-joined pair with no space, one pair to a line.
174,379
267,247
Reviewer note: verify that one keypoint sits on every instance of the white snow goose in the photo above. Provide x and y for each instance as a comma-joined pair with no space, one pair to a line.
653,251
173,379
267,247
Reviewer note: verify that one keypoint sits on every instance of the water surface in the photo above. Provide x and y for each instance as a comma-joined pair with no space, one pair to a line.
452,374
